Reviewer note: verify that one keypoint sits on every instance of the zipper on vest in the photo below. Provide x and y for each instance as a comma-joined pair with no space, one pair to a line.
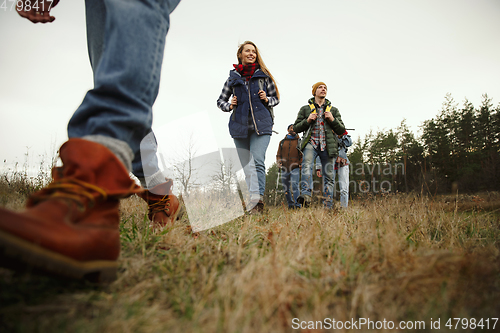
251,110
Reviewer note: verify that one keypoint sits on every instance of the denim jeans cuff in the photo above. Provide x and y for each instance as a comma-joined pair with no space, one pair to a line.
154,180
120,148
256,197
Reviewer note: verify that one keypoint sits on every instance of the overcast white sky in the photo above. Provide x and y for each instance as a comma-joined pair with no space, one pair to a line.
383,60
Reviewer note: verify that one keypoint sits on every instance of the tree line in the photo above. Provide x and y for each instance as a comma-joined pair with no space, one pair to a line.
458,149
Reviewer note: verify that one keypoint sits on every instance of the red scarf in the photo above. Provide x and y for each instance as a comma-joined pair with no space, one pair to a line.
246,71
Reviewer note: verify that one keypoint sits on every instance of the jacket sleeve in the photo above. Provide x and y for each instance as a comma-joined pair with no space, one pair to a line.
278,154
337,124
222,101
301,123
272,95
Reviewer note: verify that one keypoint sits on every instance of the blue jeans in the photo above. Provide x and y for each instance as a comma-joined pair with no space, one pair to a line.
327,166
290,182
126,41
252,155
343,173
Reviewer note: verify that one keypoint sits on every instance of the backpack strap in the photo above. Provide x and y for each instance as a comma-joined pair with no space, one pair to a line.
233,116
328,108
312,107
261,83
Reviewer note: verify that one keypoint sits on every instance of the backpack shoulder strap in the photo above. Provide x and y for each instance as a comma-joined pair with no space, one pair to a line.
313,108
261,83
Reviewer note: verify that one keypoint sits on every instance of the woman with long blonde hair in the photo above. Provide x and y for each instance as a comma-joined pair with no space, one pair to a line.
251,123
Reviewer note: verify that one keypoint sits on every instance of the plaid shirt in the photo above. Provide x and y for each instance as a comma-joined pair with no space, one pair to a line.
223,101
318,138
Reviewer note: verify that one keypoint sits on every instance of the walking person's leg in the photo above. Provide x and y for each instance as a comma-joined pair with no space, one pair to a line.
306,182
258,148
327,165
335,173
294,183
126,83
71,227
344,185
285,182
248,165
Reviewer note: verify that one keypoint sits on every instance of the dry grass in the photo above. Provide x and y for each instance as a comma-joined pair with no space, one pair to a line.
395,258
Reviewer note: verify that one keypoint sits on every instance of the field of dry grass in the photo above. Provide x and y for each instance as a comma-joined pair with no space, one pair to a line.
401,258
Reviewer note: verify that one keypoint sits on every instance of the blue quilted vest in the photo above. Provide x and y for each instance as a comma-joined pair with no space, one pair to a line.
249,103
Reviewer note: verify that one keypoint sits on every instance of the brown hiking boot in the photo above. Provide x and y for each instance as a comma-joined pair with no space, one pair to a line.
71,227
258,207
163,207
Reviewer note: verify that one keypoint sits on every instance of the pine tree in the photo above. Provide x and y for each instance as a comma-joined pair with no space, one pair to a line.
273,192
411,155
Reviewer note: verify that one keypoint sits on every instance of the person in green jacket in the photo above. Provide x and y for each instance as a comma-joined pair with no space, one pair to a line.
321,123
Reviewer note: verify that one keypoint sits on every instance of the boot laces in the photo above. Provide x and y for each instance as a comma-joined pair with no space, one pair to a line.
161,205
82,193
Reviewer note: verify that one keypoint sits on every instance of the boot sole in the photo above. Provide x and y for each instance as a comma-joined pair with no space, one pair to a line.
18,254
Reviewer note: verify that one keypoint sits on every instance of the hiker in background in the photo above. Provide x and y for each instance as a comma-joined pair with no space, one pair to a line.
341,168
321,123
251,123
71,227
289,160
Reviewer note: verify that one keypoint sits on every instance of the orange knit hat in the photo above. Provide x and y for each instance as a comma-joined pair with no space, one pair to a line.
316,85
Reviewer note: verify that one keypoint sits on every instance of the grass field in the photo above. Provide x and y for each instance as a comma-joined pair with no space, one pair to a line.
405,259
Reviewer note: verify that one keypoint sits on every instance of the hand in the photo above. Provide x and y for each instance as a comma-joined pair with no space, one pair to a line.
329,116
234,102
41,15
312,117
262,95
318,173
